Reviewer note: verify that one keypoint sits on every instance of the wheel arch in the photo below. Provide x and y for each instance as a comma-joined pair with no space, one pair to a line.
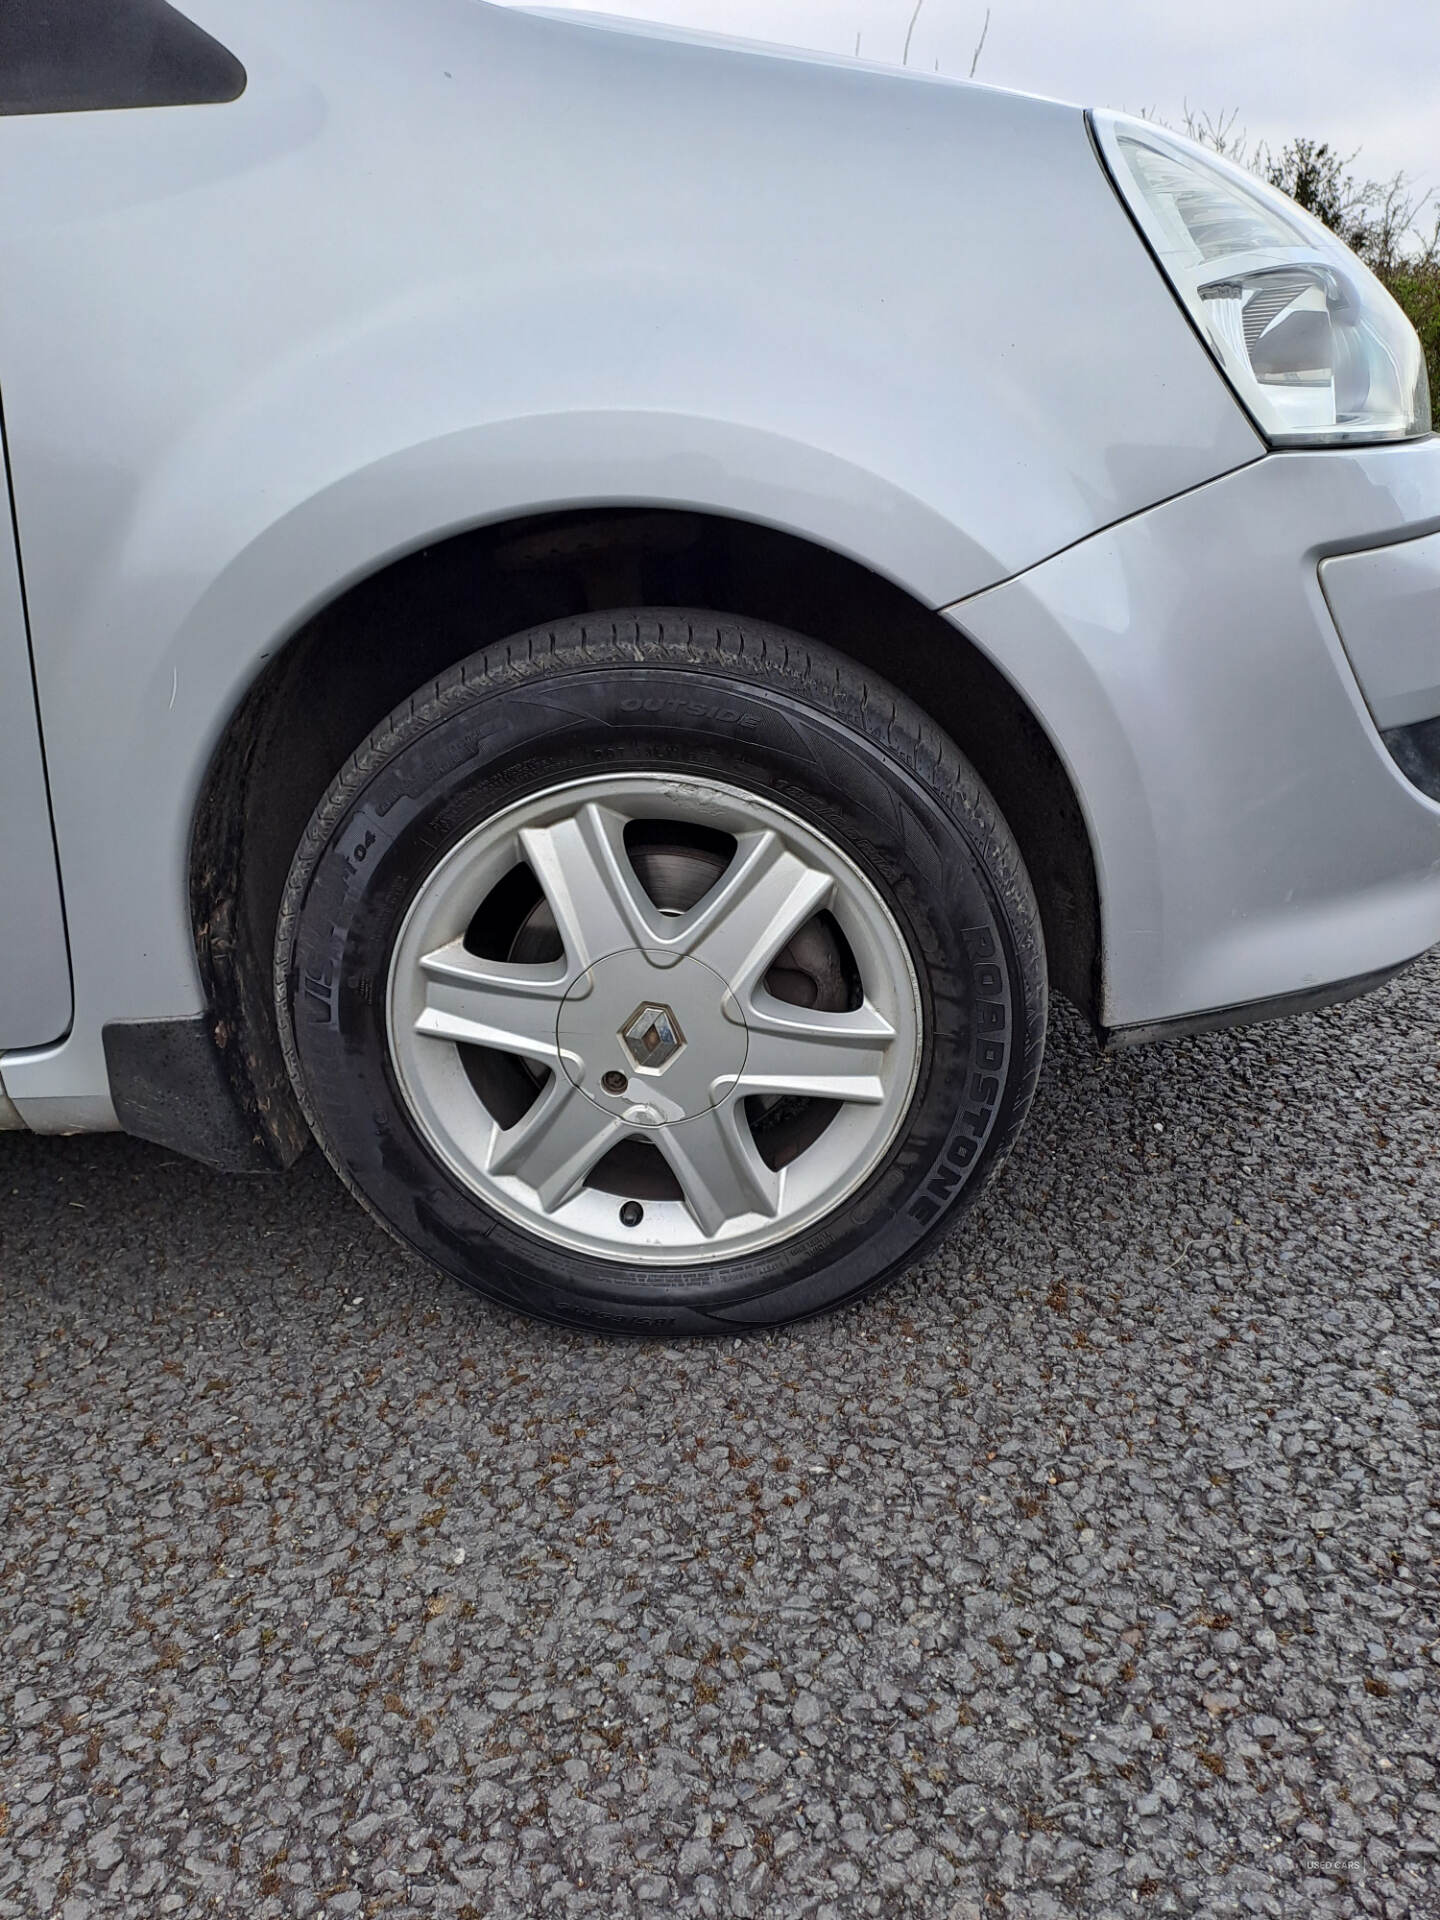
357,657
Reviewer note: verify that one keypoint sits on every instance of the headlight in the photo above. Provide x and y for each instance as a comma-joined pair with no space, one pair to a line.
1310,340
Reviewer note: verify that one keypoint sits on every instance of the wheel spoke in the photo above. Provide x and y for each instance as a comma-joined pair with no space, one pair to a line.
719,1168
760,902
489,1003
553,1146
822,1056
595,894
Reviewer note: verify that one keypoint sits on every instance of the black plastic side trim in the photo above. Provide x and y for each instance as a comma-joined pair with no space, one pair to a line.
168,1085
1416,751
96,56
1250,1012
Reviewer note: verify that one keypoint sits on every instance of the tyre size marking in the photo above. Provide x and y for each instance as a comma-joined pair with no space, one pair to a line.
320,988
991,1017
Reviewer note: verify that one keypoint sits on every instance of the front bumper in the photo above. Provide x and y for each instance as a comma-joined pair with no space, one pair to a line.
1254,839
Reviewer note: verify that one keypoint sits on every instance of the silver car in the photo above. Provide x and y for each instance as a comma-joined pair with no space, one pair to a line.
597,618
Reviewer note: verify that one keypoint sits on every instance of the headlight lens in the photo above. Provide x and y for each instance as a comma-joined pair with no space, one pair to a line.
1313,344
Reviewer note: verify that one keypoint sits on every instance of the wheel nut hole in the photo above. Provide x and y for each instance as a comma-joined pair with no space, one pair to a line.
632,1213
614,1082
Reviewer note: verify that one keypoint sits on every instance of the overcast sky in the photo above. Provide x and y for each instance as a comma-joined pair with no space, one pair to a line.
1360,75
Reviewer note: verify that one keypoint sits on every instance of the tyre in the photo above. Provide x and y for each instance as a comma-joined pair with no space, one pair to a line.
661,972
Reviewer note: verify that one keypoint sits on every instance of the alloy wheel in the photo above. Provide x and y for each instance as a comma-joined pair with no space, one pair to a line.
657,1020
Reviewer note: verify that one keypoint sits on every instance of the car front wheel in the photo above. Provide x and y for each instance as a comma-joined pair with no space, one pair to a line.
661,972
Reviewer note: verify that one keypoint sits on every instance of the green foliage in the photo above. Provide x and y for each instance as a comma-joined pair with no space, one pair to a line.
1417,288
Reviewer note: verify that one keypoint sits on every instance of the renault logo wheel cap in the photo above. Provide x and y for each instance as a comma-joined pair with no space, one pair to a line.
652,1037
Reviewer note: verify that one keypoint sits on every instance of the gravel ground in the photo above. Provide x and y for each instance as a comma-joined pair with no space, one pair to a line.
1091,1570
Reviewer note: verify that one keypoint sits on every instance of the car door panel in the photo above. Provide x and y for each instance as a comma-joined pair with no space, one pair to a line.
34,966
